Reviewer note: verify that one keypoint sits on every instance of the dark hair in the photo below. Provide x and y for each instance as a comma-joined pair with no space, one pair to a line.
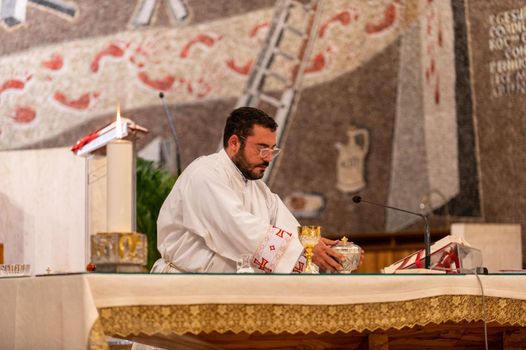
241,121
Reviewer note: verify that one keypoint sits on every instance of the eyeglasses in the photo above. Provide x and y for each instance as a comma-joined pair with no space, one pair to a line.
266,151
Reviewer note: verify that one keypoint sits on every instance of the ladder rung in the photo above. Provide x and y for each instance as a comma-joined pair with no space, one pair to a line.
272,100
295,30
278,76
306,7
285,54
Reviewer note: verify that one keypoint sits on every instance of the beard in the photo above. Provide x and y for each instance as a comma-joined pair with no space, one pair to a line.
249,171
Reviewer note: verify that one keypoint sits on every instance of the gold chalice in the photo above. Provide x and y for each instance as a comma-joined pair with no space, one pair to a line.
309,237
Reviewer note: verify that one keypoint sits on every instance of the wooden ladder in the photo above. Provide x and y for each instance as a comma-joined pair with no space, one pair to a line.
275,81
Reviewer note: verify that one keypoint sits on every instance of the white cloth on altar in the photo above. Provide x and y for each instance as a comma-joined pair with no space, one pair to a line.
213,215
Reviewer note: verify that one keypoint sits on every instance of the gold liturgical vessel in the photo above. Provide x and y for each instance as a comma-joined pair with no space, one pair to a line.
309,236
352,255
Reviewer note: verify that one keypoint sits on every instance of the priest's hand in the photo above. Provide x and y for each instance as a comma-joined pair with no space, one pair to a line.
326,258
362,257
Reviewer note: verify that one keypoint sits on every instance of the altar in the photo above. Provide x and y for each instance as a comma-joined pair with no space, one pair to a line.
219,311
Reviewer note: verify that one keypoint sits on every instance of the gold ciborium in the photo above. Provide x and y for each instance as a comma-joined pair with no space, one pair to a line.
309,237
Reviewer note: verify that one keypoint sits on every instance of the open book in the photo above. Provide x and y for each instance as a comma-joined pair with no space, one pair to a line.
450,254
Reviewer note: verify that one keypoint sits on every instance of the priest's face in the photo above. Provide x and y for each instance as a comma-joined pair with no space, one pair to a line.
252,157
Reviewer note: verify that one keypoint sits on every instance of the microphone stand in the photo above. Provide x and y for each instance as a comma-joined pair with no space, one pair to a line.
171,123
427,235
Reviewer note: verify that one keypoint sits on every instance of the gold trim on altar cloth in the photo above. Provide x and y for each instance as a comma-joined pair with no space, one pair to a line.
276,318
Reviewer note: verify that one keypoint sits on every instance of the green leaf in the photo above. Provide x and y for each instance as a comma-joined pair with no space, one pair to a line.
153,186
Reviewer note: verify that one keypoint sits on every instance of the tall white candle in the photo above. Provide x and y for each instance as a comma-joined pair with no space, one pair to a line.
121,186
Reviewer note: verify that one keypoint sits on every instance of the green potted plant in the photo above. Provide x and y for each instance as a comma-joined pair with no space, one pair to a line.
153,185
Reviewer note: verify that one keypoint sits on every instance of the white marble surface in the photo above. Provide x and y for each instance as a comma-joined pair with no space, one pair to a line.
43,206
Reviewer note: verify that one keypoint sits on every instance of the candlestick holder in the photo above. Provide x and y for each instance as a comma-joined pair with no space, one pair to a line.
309,236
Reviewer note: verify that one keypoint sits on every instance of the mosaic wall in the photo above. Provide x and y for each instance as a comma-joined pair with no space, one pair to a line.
496,39
409,103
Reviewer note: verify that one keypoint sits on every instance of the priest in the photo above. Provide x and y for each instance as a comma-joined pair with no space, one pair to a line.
219,209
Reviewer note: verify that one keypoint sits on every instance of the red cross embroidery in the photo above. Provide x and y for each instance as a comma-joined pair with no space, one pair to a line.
281,232
299,267
262,264
272,247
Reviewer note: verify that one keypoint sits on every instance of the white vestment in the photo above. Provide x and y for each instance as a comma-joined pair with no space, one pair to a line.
213,215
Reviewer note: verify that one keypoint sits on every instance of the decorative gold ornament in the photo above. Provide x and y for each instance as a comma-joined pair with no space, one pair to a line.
119,248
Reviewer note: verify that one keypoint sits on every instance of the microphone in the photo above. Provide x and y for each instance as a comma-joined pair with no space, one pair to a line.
427,235
171,122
